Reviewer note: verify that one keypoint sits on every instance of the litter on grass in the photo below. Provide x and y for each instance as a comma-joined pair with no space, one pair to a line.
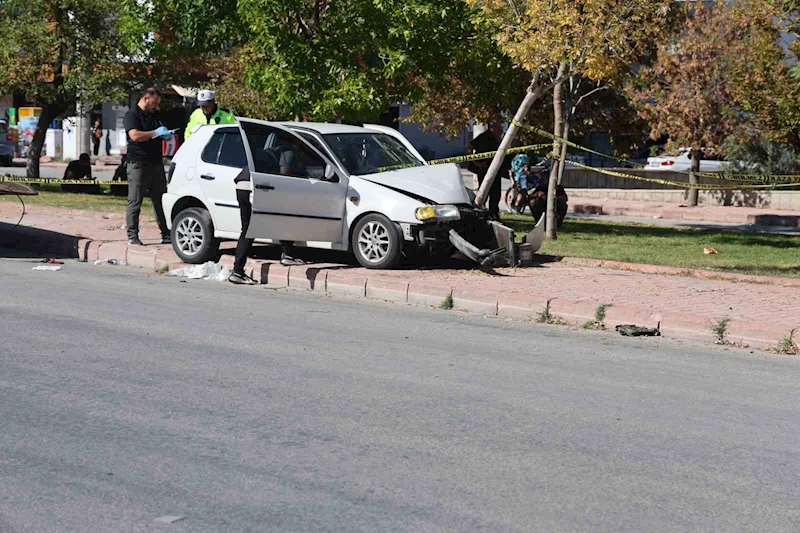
209,271
49,268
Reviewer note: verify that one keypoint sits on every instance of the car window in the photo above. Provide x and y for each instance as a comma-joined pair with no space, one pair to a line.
312,140
278,152
232,152
211,151
365,153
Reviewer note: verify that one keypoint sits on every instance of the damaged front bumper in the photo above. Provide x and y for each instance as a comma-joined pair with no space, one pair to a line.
488,243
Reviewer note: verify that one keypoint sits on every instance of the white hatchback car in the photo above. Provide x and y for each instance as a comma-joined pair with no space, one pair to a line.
338,194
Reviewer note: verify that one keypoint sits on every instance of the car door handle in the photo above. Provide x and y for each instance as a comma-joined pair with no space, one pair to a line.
207,177
266,187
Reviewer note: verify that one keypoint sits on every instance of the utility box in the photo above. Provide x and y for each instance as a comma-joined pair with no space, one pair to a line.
54,143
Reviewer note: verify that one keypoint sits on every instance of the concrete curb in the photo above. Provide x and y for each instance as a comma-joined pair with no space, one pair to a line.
333,279
519,305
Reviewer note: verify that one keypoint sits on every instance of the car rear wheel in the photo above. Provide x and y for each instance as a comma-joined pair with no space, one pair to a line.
376,242
193,236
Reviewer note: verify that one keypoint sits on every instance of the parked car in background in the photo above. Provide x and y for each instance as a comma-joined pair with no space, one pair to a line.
6,145
326,186
682,162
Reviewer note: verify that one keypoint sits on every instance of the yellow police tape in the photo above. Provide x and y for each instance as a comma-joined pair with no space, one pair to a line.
58,181
728,176
572,144
683,185
470,157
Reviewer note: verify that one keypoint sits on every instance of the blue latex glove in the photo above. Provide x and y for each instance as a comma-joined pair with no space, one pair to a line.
163,132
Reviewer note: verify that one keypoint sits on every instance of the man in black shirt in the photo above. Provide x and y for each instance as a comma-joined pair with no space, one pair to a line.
144,164
79,169
489,141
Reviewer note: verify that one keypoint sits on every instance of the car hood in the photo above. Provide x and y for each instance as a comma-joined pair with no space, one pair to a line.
438,183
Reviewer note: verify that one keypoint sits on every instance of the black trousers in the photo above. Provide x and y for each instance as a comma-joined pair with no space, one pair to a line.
145,178
495,192
244,244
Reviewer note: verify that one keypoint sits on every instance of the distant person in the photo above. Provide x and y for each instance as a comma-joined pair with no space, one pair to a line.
144,164
524,179
108,142
291,165
538,199
208,112
79,169
489,141
97,134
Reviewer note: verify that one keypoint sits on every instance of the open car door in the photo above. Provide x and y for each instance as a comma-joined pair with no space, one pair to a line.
298,195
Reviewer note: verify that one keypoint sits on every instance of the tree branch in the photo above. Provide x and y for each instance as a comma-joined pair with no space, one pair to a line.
587,95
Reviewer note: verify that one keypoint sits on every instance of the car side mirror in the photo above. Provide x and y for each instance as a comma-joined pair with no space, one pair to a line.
330,174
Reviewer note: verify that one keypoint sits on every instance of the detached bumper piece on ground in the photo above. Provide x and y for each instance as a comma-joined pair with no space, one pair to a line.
500,247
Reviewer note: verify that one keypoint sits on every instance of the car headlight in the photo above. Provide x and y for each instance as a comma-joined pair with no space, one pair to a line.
438,212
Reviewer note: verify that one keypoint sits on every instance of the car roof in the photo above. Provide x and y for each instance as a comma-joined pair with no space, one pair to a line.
325,128
320,127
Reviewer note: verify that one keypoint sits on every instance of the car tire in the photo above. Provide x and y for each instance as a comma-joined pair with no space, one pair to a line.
376,242
193,236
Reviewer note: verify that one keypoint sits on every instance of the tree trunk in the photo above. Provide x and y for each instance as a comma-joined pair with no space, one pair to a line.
551,220
535,91
565,134
37,143
693,193
568,112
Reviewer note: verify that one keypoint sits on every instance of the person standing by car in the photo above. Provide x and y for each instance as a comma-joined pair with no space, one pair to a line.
144,163
97,134
243,190
208,113
488,141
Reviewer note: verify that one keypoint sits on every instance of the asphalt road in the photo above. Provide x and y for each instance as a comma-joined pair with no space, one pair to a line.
127,397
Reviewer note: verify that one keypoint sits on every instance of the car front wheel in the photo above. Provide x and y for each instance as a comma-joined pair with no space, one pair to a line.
193,236
376,242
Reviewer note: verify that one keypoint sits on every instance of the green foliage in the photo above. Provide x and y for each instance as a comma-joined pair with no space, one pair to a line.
322,60
59,51
787,346
726,68
598,39
756,154
545,316
720,330
178,36
447,303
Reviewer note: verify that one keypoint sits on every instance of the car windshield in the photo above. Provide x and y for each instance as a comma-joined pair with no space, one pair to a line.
365,153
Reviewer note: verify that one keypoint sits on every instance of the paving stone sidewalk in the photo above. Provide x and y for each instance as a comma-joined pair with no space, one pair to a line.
761,312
